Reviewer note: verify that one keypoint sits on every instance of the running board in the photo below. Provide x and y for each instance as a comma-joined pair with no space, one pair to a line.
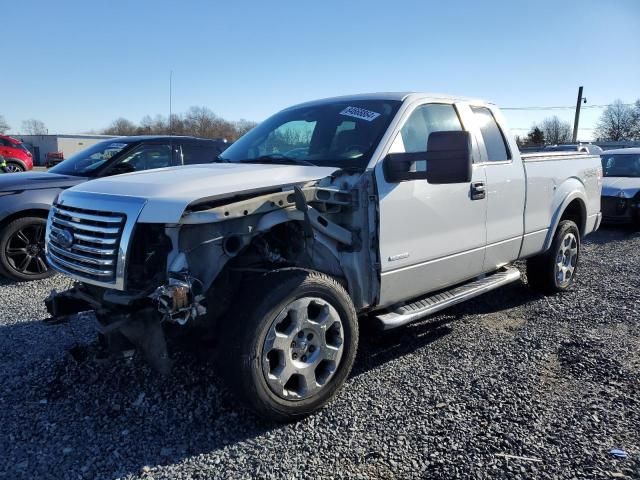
426,306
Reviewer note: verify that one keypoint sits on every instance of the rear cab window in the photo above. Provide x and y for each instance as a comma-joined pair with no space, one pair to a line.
494,140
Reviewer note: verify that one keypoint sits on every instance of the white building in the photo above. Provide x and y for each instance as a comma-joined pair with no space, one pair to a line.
40,145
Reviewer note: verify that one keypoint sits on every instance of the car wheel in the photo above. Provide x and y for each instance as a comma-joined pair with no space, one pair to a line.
13,167
555,270
293,346
22,250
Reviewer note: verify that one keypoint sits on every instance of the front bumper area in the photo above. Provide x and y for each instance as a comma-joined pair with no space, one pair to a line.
119,329
619,210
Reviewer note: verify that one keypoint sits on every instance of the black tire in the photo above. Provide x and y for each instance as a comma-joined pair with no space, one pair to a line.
12,259
13,167
542,272
244,341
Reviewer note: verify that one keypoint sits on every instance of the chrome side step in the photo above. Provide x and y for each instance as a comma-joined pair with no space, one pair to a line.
429,305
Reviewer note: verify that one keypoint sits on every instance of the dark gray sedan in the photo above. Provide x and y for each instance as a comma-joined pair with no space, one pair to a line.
25,198
621,186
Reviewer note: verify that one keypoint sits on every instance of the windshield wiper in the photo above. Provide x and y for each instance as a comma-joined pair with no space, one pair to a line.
279,158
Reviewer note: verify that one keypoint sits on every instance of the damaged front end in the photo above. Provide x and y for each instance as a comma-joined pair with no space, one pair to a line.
191,273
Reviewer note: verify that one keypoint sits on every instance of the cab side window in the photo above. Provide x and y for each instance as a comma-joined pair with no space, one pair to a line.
424,120
494,140
146,157
195,154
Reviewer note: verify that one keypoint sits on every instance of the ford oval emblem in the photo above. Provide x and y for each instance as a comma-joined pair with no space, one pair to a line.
65,238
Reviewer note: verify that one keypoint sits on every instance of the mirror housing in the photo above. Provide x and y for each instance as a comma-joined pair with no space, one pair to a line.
449,157
448,160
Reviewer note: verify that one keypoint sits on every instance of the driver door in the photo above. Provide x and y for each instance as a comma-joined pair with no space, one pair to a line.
431,236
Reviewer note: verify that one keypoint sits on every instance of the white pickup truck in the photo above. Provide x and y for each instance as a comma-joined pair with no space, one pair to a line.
388,207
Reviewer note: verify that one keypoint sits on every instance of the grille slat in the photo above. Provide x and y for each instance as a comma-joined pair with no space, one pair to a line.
90,238
96,235
80,258
86,227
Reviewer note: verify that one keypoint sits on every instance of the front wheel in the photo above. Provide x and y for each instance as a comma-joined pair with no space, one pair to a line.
555,270
13,167
22,250
293,346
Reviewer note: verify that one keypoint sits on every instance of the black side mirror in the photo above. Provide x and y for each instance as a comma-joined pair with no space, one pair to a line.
447,160
449,157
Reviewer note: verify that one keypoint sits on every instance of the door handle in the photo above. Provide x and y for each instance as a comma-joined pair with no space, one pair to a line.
477,191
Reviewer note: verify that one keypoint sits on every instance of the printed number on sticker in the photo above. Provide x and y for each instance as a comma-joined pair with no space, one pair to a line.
360,113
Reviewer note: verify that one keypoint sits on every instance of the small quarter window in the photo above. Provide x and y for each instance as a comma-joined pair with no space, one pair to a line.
493,137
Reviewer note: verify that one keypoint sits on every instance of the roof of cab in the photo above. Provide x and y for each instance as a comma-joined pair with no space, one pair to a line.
394,96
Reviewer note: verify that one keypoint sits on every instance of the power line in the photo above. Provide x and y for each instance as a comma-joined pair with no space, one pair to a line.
564,108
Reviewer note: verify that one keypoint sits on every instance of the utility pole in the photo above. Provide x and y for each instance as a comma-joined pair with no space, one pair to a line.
577,119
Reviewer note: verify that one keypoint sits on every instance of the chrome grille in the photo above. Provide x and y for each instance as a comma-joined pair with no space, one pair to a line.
84,242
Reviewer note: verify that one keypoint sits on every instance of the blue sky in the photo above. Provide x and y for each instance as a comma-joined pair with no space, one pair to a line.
79,65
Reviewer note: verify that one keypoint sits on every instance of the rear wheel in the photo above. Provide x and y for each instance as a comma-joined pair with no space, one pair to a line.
22,250
293,346
555,270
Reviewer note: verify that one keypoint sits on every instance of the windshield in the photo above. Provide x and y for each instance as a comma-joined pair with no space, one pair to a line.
340,134
621,165
84,163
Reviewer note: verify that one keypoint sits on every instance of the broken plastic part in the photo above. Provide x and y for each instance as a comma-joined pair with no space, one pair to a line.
176,301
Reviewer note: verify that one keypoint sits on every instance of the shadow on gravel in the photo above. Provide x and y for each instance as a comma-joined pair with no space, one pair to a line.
612,233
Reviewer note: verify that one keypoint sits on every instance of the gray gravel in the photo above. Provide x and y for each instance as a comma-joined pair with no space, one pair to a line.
511,385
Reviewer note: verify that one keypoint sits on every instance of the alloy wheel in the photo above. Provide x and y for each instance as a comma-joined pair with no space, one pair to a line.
25,250
303,348
566,260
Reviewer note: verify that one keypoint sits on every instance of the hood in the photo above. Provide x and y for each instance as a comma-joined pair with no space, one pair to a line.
36,180
167,192
611,186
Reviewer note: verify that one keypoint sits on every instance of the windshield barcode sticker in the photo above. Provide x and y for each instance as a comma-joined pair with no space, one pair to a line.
360,113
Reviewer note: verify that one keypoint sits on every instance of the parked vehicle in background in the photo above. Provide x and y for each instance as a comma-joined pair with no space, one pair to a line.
17,156
621,187
25,199
392,205
53,158
575,147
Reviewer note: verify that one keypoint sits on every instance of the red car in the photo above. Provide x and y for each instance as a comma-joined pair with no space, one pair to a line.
16,154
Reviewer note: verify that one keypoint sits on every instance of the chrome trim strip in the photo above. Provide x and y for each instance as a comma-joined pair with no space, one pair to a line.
53,259
89,217
87,228
80,258
89,238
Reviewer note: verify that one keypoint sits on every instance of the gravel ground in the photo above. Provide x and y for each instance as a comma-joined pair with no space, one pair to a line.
511,385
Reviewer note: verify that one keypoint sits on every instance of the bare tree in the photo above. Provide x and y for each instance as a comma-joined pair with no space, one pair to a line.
121,126
34,127
4,126
198,122
555,131
242,126
617,122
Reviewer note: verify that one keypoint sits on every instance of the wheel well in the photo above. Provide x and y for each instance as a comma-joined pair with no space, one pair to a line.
16,160
34,212
575,211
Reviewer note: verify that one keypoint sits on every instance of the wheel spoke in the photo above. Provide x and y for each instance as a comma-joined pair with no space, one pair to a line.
331,353
13,252
41,264
25,263
309,379
22,237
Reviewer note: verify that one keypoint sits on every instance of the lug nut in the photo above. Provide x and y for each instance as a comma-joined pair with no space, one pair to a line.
293,344
300,334
294,356
312,349
310,337
304,358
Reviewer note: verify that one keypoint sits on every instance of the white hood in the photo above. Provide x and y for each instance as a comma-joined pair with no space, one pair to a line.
611,186
167,192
